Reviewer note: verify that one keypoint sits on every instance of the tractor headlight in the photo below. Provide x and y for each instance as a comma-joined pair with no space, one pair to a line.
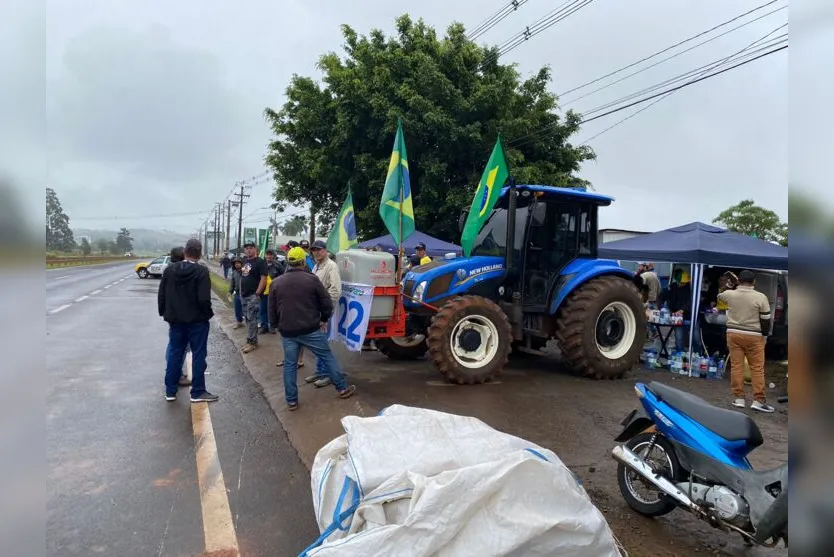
418,292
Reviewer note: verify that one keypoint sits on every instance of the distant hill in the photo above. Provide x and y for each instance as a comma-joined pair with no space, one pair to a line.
145,241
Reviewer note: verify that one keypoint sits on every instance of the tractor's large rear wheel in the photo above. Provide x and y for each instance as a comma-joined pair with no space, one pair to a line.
602,328
469,340
403,348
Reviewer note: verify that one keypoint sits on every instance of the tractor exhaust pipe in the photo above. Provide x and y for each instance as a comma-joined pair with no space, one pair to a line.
512,203
625,456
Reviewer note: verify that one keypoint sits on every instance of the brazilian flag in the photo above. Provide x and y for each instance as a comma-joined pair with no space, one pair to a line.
396,208
486,196
343,235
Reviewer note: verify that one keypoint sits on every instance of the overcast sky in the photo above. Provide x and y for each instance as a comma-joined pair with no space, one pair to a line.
155,107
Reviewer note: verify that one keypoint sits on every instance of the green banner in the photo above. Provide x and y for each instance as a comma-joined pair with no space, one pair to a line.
250,235
263,240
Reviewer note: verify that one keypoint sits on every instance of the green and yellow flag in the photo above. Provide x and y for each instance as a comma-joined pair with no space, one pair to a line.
395,208
486,196
343,235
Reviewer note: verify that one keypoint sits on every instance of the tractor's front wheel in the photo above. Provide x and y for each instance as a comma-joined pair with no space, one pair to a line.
470,340
403,348
602,328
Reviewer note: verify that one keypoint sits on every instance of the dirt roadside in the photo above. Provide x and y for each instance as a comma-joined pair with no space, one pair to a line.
535,399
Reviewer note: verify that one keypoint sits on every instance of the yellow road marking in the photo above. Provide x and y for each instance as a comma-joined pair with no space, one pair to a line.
218,526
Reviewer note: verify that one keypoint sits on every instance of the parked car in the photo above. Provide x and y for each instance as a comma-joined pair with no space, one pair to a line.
153,268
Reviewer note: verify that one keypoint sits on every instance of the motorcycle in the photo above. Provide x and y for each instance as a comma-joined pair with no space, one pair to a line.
692,455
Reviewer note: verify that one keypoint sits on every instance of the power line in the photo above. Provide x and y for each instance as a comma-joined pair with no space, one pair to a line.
542,24
525,139
732,58
671,57
776,41
495,19
134,217
658,53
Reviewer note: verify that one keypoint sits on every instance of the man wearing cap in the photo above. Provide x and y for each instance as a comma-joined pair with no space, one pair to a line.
748,324
252,285
301,306
305,245
328,273
273,270
651,283
184,301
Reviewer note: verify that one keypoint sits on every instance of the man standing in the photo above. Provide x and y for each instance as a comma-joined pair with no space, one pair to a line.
305,245
184,301
651,284
273,271
177,255
748,324
234,291
252,285
226,264
422,254
301,307
328,273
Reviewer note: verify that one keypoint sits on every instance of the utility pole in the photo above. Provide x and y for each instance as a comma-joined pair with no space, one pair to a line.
312,225
228,223
241,198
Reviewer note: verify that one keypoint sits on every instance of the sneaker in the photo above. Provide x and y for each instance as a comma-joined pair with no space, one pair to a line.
205,397
184,381
322,382
171,398
740,403
263,331
237,325
313,378
292,406
762,407
248,347
348,392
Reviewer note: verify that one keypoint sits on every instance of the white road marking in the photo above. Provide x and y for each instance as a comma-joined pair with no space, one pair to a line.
62,308
218,526
61,277
81,299
108,286
94,292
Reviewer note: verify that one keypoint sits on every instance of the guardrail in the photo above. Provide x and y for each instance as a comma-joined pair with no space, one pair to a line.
84,260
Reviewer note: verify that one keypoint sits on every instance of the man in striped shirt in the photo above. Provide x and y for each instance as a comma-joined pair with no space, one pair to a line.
748,324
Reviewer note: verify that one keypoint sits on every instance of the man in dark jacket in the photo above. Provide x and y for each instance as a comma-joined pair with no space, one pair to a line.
185,303
301,307
226,264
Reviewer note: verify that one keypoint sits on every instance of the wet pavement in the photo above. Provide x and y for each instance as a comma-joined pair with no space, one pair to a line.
536,399
123,464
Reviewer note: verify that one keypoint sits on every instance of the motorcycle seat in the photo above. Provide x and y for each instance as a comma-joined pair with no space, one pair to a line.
729,424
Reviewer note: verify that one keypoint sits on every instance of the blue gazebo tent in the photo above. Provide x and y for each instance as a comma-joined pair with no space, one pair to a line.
699,244
434,246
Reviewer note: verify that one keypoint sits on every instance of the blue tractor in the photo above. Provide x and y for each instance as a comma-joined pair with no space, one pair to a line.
533,276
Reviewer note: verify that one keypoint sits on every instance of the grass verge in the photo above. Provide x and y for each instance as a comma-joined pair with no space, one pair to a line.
220,286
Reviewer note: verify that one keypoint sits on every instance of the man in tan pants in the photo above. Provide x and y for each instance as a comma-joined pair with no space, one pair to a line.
748,324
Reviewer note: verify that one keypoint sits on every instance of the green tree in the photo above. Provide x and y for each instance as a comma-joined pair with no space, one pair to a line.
453,97
295,226
103,245
124,241
86,248
748,218
59,235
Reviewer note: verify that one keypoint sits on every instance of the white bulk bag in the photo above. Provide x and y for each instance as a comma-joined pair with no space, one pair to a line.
418,483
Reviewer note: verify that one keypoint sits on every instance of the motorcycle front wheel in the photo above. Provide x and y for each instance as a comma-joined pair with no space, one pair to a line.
640,494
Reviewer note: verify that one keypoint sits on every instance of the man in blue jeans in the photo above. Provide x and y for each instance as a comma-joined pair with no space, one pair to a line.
184,301
301,307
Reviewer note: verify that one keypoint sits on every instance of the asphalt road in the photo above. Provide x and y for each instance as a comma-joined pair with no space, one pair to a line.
123,463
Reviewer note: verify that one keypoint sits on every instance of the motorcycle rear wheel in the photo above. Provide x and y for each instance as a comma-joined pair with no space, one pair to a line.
662,456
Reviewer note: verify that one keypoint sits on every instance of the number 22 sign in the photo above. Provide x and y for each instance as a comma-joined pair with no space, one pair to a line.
350,317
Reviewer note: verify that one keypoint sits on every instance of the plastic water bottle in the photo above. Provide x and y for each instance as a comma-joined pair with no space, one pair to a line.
703,368
712,371
651,360
720,369
664,313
